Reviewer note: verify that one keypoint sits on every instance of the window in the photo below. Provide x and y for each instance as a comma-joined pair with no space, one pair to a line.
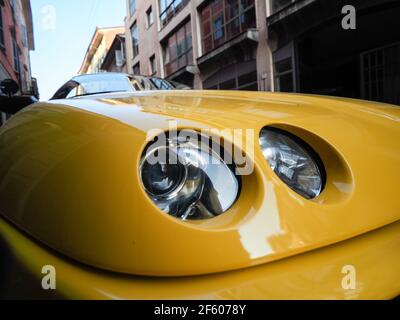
15,55
120,55
153,67
161,84
132,7
136,69
219,28
169,8
2,41
284,75
178,49
380,74
221,20
24,36
135,39
150,17
12,4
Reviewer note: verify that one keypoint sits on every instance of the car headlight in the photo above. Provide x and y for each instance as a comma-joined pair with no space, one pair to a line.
294,161
187,179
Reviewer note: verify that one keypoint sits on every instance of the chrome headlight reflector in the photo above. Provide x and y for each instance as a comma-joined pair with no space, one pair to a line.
294,161
187,179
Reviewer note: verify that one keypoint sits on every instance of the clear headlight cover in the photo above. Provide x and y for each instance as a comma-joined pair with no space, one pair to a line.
188,180
293,161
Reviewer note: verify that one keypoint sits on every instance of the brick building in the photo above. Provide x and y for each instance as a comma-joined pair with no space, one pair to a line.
16,42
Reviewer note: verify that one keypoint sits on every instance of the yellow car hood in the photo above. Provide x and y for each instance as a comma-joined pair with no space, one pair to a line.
69,178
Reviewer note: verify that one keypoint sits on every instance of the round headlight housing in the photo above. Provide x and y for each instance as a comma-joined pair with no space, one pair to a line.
294,161
162,179
187,179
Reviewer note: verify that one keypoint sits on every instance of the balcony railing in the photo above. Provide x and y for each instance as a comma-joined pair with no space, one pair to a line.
183,60
172,10
277,5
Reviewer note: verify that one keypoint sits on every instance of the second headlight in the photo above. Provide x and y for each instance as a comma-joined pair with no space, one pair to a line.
293,160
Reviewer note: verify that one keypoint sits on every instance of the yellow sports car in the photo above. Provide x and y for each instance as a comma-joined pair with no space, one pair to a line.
111,191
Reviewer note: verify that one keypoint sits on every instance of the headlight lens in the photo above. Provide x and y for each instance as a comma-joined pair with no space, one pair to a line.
188,180
161,179
293,161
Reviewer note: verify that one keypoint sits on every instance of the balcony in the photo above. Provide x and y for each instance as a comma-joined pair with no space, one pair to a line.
277,5
170,9
185,59
224,20
238,45
282,9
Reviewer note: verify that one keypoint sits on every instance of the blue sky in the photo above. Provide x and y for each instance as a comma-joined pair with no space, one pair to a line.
63,30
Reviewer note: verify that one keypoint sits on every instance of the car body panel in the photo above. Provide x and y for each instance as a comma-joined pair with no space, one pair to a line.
69,177
320,274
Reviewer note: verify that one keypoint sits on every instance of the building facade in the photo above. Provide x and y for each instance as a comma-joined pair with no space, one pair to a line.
115,60
16,42
269,45
217,44
314,53
98,49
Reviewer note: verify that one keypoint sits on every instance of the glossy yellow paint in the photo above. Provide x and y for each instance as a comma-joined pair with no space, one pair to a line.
69,177
315,275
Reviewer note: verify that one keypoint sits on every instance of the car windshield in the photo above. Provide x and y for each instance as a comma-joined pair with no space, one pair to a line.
97,84
91,84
